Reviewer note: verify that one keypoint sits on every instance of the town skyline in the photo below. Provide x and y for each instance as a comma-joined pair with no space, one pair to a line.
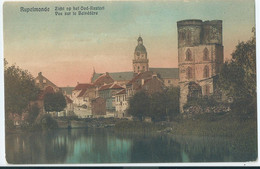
66,49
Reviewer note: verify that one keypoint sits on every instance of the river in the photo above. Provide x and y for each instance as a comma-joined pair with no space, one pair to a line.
87,146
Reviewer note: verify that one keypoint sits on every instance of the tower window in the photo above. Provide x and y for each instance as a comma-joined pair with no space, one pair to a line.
188,55
138,67
206,54
189,73
206,72
143,67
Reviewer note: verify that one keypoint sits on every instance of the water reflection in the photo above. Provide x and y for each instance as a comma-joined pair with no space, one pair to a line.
107,146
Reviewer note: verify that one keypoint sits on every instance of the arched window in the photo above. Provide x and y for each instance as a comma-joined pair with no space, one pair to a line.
206,72
143,67
205,54
188,55
189,73
138,68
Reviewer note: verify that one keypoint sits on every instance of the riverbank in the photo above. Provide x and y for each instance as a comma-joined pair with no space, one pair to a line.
209,125
213,125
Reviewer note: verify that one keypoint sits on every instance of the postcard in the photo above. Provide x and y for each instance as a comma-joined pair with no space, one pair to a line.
130,82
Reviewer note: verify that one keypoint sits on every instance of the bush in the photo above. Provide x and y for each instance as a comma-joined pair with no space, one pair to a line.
205,101
47,122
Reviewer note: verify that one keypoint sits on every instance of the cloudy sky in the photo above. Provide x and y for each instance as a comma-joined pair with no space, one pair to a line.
66,48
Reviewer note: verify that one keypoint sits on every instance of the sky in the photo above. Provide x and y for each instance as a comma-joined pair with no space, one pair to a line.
67,48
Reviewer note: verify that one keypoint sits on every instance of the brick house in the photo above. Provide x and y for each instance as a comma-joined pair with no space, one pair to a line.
98,106
108,92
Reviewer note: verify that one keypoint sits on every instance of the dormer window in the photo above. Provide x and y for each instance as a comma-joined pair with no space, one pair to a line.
44,80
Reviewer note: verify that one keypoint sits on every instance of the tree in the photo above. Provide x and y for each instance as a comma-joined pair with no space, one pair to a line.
238,77
158,106
54,102
173,102
165,104
33,113
20,89
139,105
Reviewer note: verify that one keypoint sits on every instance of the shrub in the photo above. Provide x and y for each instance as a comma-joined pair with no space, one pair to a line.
47,122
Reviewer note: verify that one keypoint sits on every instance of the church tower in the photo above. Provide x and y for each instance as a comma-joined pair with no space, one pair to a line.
200,56
140,61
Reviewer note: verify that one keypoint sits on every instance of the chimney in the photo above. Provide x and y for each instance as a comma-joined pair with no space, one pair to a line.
40,74
142,82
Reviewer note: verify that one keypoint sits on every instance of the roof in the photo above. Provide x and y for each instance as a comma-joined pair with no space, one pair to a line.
142,75
82,92
68,90
164,73
140,38
110,86
140,48
121,92
81,86
102,79
68,99
116,76
40,77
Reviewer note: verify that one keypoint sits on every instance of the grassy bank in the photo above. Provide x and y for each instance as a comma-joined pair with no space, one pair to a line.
219,125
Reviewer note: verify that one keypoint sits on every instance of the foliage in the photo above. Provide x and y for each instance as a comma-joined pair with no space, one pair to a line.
158,109
33,113
159,106
205,101
173,102
165,104
20,89
54,102
238,77
47,122
139,105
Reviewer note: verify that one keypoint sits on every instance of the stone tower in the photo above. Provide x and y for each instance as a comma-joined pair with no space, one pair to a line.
200,55
140,61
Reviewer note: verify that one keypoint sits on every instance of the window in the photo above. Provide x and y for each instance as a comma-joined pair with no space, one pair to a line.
169,81
188,55
143,67
206,72
206,54
44,80
37,81
189,73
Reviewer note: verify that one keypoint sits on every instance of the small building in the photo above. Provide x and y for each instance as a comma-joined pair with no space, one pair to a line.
98,106
42,82
107,92
152,85
121,103
81,102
